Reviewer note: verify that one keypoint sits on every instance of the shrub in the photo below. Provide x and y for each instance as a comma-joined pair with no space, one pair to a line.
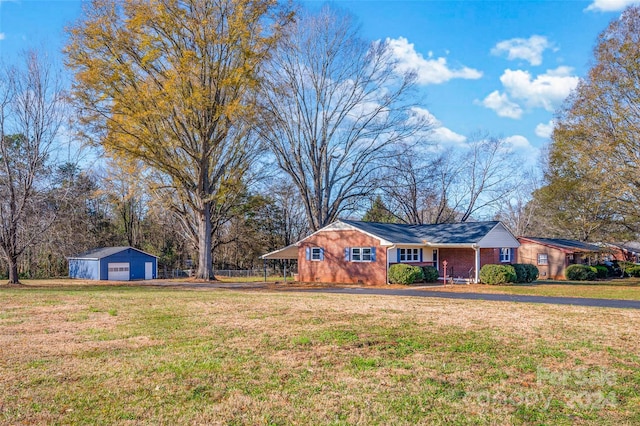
430,274
625,267
525,272
497,274
601,271
634,271
613,269
580,273
521,273
401,273
532,272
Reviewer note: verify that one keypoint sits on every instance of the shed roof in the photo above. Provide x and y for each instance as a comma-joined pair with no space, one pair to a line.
443,233
100,253
566,245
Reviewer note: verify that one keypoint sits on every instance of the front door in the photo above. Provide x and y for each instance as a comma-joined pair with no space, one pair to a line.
148,270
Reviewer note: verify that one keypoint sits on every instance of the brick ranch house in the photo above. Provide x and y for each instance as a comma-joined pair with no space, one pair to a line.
553,255
349,251
629,251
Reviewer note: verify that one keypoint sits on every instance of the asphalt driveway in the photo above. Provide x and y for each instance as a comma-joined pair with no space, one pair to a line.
493,297
575,301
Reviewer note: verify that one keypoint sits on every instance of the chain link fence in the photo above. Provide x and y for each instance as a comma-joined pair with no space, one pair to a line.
227,273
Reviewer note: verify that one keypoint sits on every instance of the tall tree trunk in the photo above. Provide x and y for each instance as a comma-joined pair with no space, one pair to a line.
13,270
205,262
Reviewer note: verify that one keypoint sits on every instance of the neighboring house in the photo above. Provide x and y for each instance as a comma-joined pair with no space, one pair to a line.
629,251
349,251
553,255
114,264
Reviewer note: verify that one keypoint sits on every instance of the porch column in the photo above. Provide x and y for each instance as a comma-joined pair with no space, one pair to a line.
388,262
477,274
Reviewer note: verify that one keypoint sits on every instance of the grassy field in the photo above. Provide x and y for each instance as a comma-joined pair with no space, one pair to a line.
128,354
627,289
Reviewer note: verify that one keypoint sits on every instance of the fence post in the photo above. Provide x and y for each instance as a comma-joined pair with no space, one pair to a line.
264,265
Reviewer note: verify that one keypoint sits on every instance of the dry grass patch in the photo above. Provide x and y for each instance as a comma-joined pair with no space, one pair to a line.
627,289
148,355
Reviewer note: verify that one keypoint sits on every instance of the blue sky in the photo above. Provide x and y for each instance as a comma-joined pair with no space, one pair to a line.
501,67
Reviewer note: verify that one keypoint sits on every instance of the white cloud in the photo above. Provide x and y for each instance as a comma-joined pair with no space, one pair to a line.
2,36
438,133
546,91
500,103
429,70
545,130
447,136
522,90
610,5
530,49
521,145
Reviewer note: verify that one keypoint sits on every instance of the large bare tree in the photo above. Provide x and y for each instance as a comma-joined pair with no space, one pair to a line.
31,113
171,83
123,184
453,186
334,108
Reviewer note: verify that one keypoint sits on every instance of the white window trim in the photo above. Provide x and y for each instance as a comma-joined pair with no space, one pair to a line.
413,253
503,258
315,251
546,256
361,254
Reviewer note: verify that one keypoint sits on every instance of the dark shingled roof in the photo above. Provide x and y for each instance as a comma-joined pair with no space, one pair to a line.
444,233
99,253
632,246
570,245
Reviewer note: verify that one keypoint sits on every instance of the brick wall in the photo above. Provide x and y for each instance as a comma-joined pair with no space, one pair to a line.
528,253
334,268
461,262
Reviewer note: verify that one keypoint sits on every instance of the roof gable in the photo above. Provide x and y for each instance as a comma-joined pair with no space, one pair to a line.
100,253
499,236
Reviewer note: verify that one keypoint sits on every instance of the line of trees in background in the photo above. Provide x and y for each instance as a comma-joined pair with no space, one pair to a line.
230,128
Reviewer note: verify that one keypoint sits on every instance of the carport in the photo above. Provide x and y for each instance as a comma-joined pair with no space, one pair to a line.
290,252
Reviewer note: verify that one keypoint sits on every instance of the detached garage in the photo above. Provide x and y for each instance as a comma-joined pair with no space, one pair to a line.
114,264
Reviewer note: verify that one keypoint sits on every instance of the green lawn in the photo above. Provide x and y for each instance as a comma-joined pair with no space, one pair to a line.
627,289
108,354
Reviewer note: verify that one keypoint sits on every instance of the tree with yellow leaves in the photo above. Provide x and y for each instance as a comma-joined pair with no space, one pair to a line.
593,183
171,83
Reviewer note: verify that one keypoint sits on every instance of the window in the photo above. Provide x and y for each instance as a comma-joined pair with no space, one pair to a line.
366,254
543,259
314,253
361,254
409,255
355,255
505,255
